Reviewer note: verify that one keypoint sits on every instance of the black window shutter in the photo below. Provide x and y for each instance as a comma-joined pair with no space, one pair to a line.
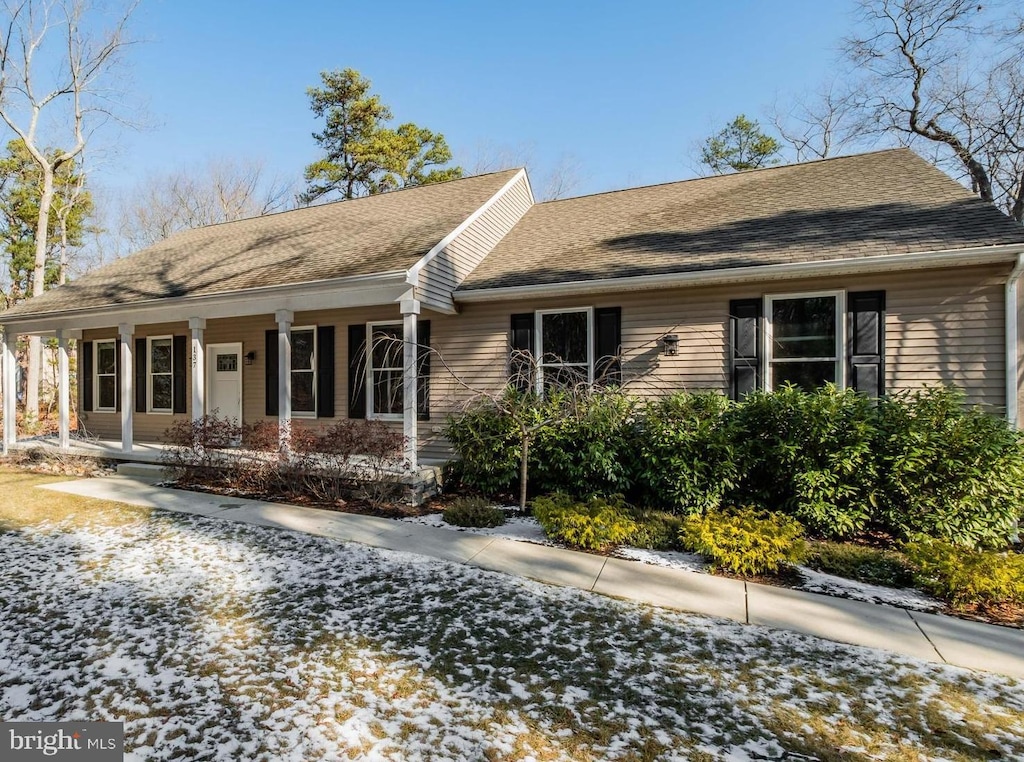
607,346
423,370
179,378
866,341
117,375
325,371
86,367
271,372
140,360
357,371
744,347
520,366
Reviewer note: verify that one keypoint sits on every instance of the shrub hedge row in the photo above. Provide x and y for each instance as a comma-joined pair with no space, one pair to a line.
913,464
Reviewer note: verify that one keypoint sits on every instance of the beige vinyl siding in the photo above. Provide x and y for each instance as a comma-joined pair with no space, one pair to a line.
452,264
942,326
149,427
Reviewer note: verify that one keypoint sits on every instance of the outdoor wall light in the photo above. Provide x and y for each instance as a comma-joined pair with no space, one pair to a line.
671,344
250,358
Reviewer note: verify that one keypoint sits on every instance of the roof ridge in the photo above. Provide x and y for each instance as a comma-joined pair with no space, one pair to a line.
330,203
744,172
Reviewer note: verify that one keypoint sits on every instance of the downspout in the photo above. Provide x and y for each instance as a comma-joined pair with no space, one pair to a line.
1012,358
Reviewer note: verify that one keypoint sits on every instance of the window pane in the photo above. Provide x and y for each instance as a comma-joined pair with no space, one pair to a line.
106,361
387,391
227,363
107,397
387,346
804,327
807,375
160,355
161,392
302,350
565,377
564,337
303,397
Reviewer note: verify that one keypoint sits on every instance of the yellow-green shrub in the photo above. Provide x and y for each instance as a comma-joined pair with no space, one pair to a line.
745,540
964,576
595,524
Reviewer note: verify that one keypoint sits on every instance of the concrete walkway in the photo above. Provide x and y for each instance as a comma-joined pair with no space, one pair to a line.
931,637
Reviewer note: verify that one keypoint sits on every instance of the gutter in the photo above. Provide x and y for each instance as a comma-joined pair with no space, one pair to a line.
1012,355
881,263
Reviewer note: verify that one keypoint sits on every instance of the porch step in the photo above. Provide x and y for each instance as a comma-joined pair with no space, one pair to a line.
147,471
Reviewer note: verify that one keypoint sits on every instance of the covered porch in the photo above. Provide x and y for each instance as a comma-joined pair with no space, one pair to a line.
211,322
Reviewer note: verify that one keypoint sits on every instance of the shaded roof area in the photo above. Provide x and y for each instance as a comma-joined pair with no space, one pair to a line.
369,235
887,202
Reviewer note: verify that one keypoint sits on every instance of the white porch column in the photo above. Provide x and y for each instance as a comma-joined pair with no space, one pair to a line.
10,362
284,377
63,391
410,310
125,331
197,326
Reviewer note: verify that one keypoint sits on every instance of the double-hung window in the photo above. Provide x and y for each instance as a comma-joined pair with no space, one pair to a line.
385,382
804,339
106,375
161,374
565,348
304,371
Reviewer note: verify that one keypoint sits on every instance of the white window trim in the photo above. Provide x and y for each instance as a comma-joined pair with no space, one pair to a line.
96,376
538,332
370,415
768,340
311,414
149,377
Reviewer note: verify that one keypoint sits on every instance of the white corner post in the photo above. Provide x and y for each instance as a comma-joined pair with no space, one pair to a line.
410,385
197,326
63,391
285,318
125,331
1012,352
10,364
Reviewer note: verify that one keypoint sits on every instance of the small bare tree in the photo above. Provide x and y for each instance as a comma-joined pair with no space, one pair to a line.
819,125
53,72
221,190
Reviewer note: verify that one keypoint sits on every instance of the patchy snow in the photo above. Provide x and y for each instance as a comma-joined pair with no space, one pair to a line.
221,641
840,587
527,529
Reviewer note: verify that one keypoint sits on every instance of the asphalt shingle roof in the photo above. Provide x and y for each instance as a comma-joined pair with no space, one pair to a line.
887,202
369,235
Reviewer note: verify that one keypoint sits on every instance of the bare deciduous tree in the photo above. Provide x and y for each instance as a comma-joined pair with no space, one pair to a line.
560,180
54,68
222,190
820,125
942,71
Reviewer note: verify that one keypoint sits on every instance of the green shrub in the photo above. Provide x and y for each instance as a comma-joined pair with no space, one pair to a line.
964,576
473,512
808,454
745,540
487,444
596,524
656,530
580,450
680,454
948,471
860,562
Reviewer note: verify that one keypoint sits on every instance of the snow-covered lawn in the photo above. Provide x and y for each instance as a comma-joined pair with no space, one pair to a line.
214,641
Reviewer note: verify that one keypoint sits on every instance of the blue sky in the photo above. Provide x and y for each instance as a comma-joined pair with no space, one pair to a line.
623,88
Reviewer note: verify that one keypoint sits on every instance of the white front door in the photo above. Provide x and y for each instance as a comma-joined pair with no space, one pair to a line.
224,381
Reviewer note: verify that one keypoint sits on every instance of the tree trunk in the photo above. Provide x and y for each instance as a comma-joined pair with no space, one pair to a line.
33,366
524,458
